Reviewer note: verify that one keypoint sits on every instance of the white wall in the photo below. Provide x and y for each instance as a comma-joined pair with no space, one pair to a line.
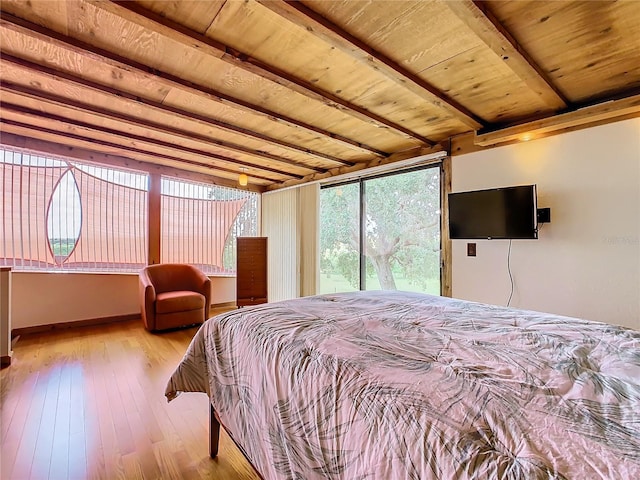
48,298
586,262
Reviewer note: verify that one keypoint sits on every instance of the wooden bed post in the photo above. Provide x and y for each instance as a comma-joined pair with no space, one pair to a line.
214,432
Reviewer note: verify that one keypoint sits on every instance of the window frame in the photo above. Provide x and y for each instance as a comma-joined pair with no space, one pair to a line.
444,166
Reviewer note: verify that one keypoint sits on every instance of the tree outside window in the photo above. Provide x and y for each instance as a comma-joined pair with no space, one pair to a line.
400,228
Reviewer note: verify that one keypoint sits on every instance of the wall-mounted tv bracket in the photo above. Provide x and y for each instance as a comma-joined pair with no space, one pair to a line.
544,215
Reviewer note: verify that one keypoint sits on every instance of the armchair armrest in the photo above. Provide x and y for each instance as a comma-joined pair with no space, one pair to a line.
201,280
147,295
204,287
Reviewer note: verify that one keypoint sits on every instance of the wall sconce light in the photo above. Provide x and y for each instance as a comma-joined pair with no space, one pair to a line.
243,180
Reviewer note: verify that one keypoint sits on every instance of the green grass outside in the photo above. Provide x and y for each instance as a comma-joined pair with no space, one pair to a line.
333,283
62,246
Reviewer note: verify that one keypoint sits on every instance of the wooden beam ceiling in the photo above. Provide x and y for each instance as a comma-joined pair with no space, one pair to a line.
623,108
75,105
477,16
85,131
159,107
291,90
305,17
227,162
78,47
88,155
396,157
136,14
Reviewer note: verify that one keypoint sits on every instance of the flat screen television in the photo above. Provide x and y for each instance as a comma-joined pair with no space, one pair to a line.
499,213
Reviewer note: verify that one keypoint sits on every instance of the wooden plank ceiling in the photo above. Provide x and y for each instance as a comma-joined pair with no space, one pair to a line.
296,91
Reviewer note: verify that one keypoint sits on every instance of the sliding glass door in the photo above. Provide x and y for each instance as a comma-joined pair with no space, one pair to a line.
382,233
340,238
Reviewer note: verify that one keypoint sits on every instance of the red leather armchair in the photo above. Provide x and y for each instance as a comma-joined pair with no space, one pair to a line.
173,295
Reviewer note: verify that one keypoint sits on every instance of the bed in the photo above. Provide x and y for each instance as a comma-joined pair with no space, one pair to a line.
397,385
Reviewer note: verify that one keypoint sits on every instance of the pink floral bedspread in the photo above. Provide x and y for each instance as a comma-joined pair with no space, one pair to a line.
393,385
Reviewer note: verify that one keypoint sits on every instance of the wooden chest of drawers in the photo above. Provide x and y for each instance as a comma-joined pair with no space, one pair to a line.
251,275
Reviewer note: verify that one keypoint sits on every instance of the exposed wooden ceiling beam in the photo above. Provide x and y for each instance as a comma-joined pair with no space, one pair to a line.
52,99
477,16
161,108
116,134
134,13
395,157
24,27
125,148
78,153
613,109
305,17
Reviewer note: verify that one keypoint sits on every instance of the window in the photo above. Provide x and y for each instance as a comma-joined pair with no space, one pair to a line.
382,233
340,238
200,224
64,215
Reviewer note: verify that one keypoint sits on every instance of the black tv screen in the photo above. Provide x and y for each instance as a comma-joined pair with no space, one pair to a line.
508,212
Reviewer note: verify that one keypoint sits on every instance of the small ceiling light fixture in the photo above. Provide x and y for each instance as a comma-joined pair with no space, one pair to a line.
243,180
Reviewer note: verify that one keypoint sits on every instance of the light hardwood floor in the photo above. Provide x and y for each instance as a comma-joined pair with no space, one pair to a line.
89,402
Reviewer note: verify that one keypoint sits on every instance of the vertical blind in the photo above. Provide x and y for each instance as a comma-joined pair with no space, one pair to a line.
63,215
200,223
27,188
59,214
114,220
280,224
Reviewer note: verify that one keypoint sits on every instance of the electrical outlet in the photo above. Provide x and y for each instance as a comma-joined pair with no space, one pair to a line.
471,249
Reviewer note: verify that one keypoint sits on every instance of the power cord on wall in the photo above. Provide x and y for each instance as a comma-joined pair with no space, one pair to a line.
509,270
